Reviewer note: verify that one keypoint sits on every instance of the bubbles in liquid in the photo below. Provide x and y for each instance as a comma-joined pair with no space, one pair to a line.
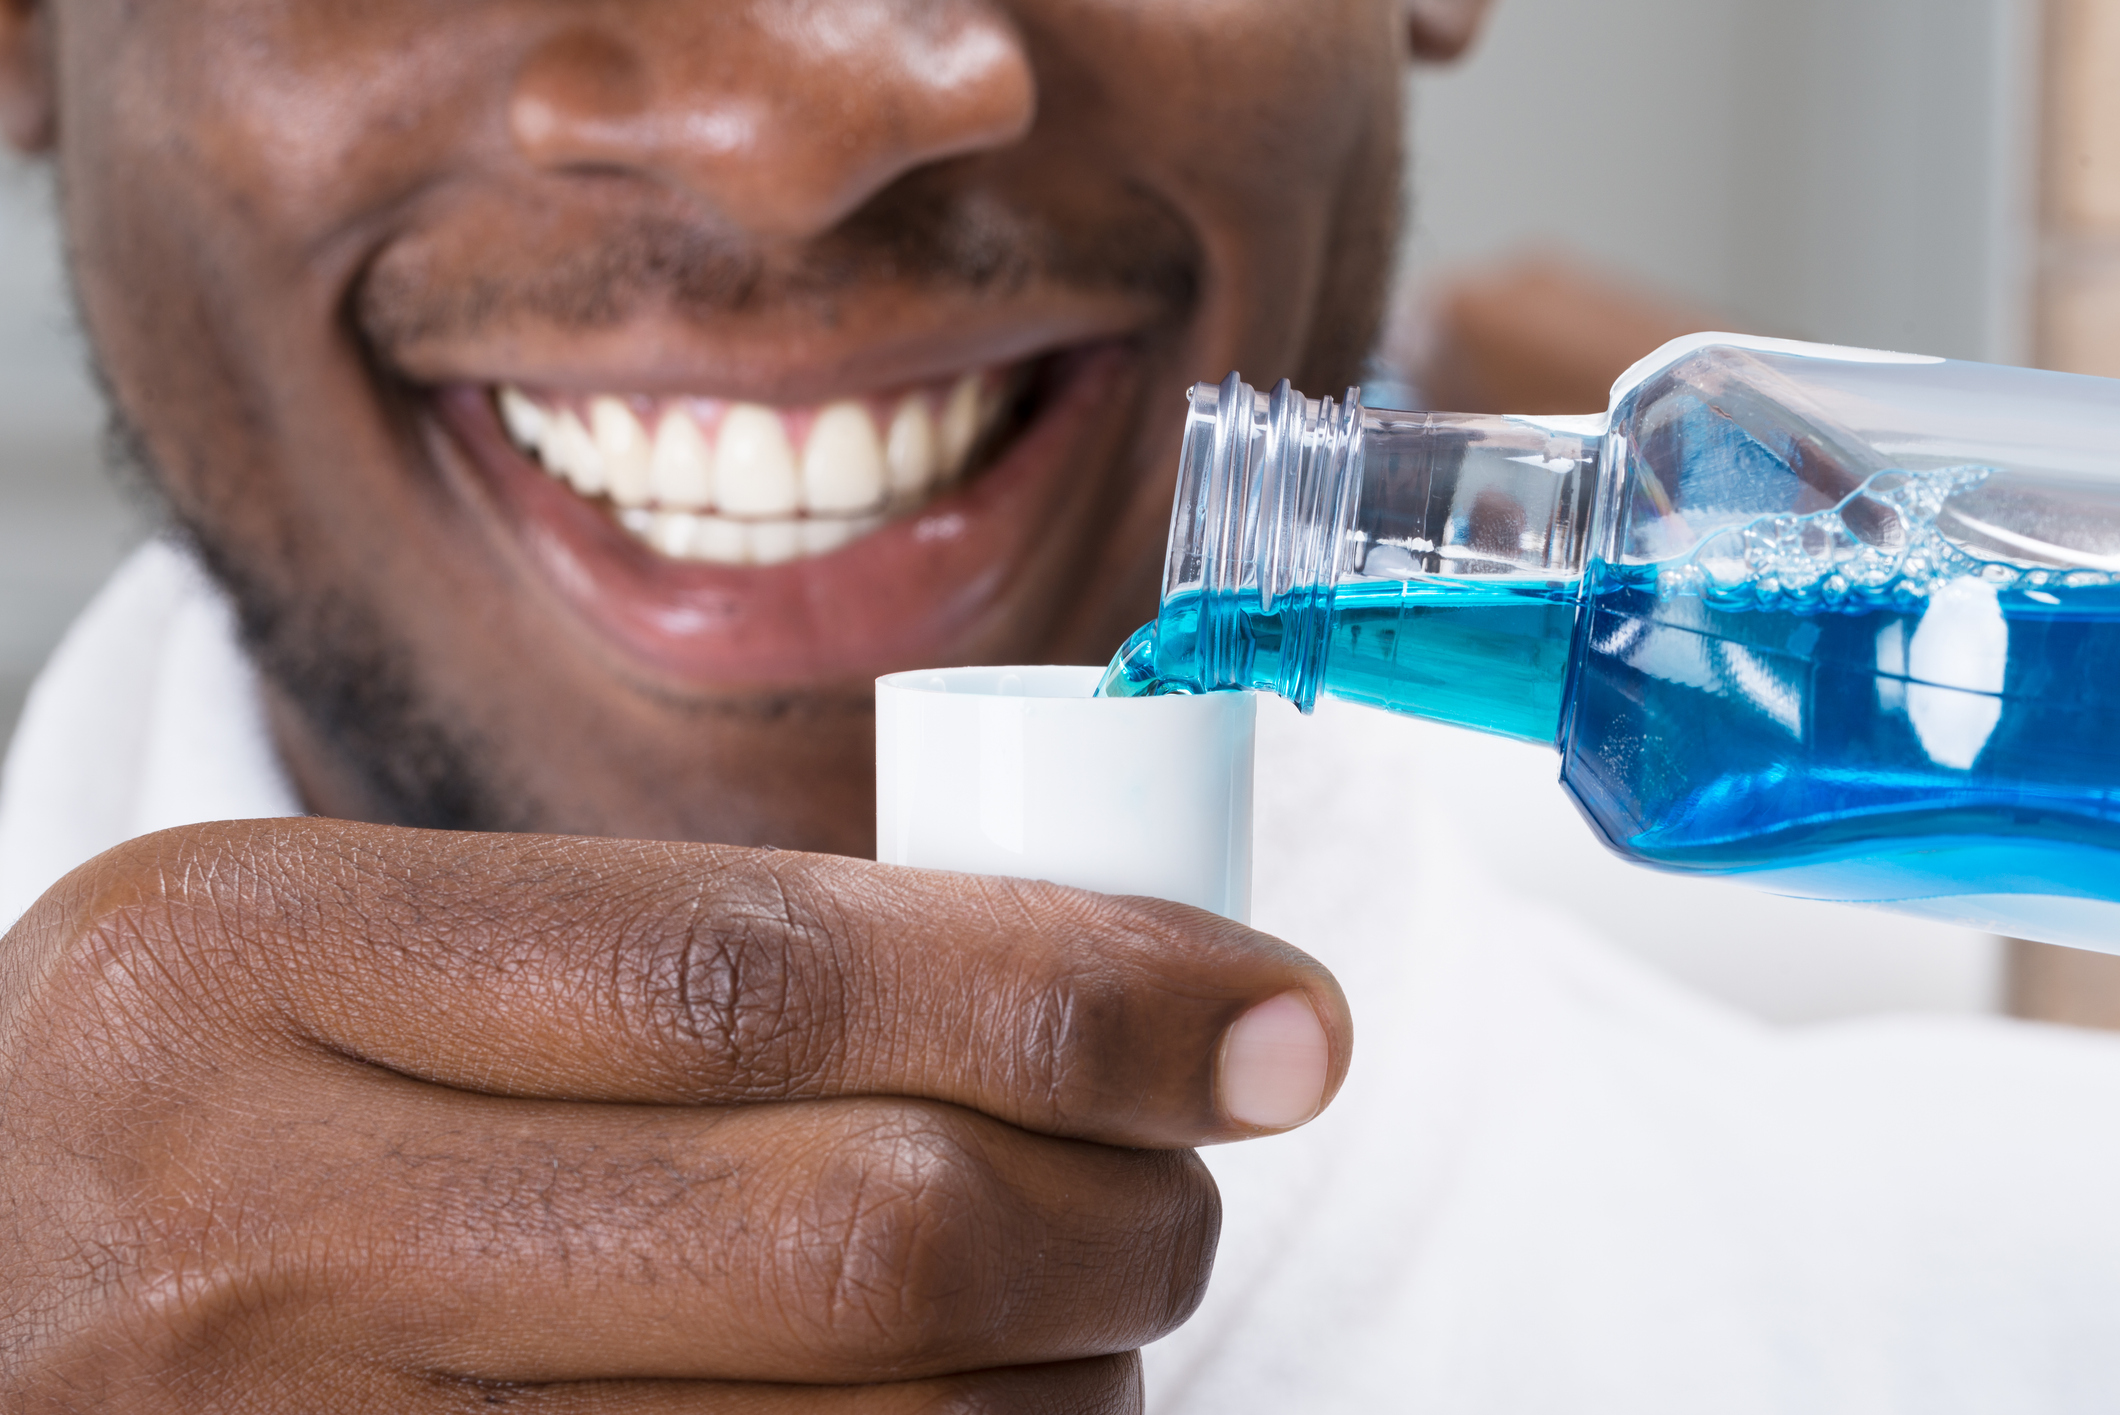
1878,548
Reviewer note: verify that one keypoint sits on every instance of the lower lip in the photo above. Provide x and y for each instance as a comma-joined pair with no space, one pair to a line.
919,589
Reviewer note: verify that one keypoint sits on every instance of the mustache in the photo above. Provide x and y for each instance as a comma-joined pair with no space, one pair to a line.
911,238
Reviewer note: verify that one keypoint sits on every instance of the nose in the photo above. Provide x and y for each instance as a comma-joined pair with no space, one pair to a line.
785,116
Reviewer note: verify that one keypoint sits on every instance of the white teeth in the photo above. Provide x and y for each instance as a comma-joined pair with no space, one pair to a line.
624,447
666,470
681,472
826,534
960,424
775,541
524,419
909,448
686,535
573,454
723,541
754,471
668,531
842,467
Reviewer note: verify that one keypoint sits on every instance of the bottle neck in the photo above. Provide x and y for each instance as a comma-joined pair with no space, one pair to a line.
1285,502
1267,485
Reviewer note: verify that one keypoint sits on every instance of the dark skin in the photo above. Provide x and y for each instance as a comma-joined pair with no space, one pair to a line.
338,1114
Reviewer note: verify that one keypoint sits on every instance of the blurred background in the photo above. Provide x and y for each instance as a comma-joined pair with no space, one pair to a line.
64,524
1940,176
1856,171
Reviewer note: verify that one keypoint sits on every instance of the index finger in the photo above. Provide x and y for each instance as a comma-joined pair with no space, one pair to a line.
626,971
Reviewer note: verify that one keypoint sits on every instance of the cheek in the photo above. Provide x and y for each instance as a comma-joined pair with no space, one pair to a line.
1266,126
1254,98
276,141
221,183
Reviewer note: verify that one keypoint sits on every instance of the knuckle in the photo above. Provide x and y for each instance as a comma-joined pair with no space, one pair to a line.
1065,1027
1134,1260
747,990
897,1240
1078,1028
109,972
1126,1029
1188,1212
129,1248
1055,1009
141,1277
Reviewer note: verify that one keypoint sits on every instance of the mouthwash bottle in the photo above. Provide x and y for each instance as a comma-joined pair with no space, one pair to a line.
1839,623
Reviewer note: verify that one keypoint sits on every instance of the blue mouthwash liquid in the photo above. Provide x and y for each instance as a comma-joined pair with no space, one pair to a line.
1881,720
1487,654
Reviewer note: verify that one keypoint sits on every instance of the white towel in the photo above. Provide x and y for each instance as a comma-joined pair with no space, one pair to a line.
146,717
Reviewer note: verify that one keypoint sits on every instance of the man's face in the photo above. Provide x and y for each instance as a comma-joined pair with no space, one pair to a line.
586,399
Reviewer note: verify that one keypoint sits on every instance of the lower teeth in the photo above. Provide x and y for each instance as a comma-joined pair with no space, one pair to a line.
725,540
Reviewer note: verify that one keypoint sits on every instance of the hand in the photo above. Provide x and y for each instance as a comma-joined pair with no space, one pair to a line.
308,1115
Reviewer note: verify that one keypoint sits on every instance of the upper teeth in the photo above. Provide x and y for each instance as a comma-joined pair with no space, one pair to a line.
747,483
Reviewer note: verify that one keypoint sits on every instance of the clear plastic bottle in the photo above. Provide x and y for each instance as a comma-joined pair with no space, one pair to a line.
1844,624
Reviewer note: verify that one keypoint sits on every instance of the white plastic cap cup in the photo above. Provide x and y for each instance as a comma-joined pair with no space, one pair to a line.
1021,771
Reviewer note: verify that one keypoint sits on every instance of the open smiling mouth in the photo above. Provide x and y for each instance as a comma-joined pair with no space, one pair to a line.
719,539
728,482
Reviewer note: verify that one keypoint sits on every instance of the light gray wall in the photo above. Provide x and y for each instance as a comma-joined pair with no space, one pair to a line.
63,523
1849,170
44,384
